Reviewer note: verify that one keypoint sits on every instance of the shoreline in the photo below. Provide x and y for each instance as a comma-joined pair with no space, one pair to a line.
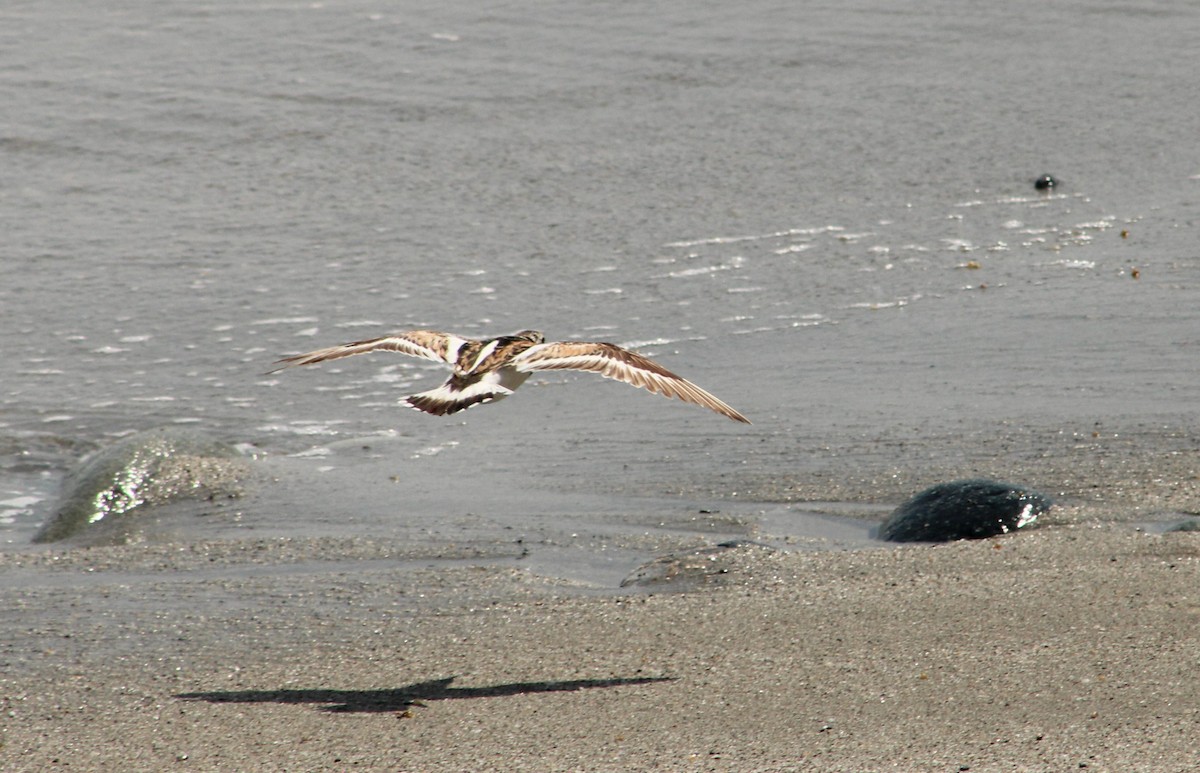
1056,648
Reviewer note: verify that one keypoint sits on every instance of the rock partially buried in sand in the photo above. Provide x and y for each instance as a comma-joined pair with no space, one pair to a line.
150,468
964,509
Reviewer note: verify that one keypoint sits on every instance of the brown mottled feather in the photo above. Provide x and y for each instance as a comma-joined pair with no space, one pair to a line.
612,361
426,344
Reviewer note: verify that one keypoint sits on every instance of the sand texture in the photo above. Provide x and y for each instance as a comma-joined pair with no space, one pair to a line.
1058,649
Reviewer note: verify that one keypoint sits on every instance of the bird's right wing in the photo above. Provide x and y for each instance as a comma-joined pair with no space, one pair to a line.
426,344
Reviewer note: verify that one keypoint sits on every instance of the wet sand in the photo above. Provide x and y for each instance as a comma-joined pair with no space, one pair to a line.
1069,647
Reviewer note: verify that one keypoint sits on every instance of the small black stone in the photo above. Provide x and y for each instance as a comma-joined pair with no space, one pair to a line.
964,509
1045,183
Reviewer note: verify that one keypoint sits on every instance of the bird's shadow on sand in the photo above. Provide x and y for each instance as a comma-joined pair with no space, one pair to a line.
400,698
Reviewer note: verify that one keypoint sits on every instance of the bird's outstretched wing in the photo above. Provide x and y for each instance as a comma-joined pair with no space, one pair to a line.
427,344
612,361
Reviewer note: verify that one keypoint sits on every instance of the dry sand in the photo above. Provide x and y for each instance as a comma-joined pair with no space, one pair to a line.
1069,647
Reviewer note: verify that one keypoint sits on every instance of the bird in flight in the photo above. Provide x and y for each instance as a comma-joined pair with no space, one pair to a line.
492,369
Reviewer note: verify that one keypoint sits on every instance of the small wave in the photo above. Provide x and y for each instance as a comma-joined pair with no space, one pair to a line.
434,450
281,321
698,271
959,245
893,304
359,323
312,453
649,342
303,428
812,231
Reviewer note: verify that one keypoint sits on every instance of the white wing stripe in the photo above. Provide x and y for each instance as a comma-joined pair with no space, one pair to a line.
484,353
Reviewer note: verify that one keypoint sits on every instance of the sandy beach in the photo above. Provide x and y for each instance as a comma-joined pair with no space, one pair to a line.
825,215
1066,648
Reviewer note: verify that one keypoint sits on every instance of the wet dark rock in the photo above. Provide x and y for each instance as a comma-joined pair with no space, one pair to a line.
695,568
1045,183
964,509
148,469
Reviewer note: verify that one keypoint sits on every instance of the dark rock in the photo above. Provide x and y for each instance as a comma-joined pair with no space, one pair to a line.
964,509
1045,183
150,468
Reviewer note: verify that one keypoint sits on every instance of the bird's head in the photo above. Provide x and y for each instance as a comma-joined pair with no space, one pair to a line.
533,336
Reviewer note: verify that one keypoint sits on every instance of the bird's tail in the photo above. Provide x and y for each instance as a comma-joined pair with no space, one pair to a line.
444,400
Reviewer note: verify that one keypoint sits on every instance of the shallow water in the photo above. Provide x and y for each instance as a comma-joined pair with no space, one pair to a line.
823,215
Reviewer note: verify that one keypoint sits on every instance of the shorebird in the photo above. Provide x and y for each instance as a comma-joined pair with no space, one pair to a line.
491,369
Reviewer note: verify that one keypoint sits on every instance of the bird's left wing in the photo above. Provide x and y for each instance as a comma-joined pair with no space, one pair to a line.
612,361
